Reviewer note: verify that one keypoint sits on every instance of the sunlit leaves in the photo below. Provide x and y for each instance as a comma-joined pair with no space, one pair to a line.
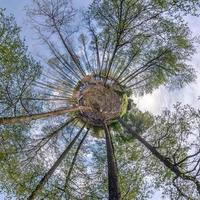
139,45
18,70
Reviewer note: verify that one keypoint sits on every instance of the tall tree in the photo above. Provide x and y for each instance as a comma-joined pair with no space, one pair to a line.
150,41
123,47
18,70
113,182
174,141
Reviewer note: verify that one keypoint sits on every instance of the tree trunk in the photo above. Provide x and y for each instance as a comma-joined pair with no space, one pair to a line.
53,168
27,118
113,182
55,132
162,158
74,159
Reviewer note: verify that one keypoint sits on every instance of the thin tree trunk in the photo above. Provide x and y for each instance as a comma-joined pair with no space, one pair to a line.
70,51
55,132
26,118
162,158
113,182
119,33
142,69
74,159
46,177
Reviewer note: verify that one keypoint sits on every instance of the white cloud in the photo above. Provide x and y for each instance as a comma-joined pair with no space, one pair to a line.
163,98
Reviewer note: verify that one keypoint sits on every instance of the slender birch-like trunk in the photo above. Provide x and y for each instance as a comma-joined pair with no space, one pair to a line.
113,182
74,159
50,172
162,158
27,118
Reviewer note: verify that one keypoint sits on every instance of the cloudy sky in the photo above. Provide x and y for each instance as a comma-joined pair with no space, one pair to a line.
156,102
161,98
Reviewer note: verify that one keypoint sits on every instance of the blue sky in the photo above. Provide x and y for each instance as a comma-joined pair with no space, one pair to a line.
161,98
156,102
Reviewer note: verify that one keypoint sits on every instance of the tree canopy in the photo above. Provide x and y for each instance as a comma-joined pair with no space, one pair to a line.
69,128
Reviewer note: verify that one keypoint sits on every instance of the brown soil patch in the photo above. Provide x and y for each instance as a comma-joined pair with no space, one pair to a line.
104,103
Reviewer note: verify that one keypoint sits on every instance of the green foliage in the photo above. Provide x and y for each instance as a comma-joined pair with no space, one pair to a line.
139,120
124,105
18,70
142,45
13,52
97,132
116,127
185,6
15,177
175,135
132,179
160,47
